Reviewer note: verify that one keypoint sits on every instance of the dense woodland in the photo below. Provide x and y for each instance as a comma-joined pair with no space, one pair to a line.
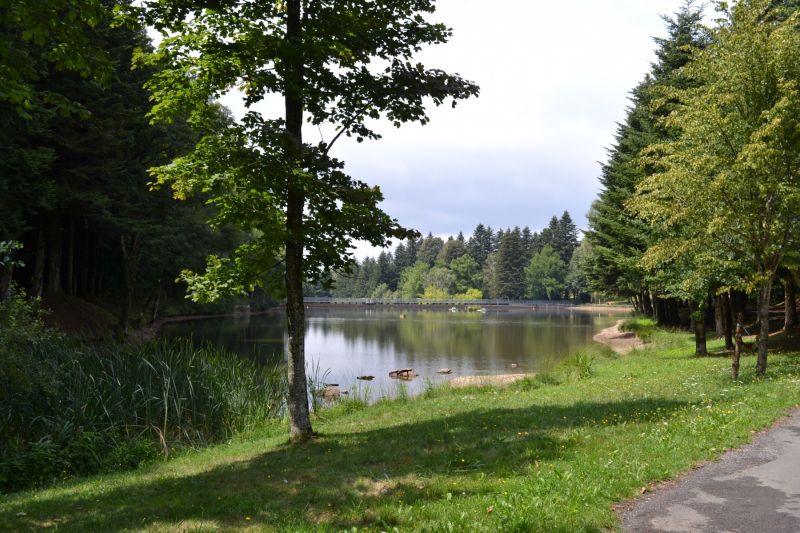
698,219
508,264
76,194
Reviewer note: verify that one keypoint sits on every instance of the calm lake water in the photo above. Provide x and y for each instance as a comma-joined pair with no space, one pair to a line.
342,344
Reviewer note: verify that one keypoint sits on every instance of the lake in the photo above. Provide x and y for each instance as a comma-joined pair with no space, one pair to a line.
343,343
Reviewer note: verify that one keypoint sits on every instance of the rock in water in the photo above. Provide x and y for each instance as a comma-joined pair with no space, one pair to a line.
403,373
330,392
444,371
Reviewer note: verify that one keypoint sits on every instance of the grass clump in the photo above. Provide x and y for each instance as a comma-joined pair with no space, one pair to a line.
644,328
70,408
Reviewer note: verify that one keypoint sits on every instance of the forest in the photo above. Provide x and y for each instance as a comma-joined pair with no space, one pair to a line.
508,264
698,217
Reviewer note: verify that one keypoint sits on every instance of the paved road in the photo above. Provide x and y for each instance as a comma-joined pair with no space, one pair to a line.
750,490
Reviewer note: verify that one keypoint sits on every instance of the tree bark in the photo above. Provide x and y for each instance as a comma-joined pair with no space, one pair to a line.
763,319
299,417
54,255
699,327
129,246
719,318
69,282
38,265
647,305
156,302
727,321
790,311
737,351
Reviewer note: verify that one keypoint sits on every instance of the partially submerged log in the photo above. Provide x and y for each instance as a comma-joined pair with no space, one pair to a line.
366,378
444,371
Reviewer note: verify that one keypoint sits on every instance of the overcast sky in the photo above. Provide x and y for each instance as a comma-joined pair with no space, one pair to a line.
554,80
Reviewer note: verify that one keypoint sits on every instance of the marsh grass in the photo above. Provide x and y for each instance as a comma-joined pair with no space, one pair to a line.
550,453
80,408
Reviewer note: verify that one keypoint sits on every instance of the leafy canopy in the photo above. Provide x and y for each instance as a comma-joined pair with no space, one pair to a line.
347,64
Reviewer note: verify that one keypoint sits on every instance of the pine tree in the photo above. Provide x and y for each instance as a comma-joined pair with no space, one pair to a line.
510,266
479,245
619,238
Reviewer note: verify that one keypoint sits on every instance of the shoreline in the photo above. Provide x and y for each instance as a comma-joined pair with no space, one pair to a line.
622,342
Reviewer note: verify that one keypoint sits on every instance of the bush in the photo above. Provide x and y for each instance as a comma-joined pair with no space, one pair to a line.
71,408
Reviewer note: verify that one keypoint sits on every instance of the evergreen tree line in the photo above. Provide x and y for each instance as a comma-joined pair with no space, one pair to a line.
697,220
75,148
507,264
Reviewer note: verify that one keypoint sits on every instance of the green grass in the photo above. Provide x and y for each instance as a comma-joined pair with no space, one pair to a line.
553,453
644,328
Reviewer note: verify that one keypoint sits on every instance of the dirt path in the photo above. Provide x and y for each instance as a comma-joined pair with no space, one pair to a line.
752,489
622,342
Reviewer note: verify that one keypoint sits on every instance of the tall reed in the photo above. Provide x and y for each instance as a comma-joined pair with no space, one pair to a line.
70,407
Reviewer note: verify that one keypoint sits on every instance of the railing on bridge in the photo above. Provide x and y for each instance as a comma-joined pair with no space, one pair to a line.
423,301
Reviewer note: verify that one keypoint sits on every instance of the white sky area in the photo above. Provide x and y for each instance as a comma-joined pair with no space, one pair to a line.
554,78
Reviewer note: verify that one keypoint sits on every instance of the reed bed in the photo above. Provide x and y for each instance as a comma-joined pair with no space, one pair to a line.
68,407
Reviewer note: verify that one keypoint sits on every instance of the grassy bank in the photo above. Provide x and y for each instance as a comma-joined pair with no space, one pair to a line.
547,454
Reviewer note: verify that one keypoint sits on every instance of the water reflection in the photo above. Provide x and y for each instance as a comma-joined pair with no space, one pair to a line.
375,341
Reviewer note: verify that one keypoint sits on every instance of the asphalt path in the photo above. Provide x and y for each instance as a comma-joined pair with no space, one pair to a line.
753,489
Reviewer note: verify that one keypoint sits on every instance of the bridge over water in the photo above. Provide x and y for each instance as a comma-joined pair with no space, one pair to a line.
323,301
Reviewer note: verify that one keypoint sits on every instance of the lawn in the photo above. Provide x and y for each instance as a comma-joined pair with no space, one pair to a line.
553,453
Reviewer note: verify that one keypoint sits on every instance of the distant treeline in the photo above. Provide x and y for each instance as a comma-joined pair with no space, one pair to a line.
512,263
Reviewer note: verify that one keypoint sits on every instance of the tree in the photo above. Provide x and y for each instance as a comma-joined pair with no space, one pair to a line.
510,266
452,249
733,170
467,273
35,36
441,279
320,58
412,280
479,245
545,274
577,279
430,249
619,237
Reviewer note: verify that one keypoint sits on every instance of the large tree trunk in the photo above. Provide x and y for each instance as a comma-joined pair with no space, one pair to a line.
737,351
299,417
763,320
698,313
54,255
647,305
129,246
727,321
719,316
69,282
38,264
790,311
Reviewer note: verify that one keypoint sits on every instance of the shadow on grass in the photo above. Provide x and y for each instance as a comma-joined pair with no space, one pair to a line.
338,479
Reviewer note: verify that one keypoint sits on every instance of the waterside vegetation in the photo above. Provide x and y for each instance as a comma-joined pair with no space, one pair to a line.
551,453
